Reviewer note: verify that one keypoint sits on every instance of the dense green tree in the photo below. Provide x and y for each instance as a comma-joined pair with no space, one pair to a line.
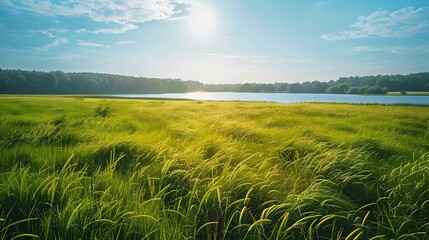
247,87
194,86
295,88
17,82
369,81
341,88
176,86
318,87
386,82
282,87
57,82
4,82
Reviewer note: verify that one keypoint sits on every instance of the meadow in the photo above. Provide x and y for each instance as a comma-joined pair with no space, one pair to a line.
91,168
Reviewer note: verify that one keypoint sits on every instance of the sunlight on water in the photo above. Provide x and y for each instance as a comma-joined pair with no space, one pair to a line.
287,97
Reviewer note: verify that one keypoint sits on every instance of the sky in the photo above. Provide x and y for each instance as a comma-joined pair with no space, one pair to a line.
217,41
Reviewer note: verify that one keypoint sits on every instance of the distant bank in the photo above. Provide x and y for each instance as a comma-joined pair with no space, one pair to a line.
58,82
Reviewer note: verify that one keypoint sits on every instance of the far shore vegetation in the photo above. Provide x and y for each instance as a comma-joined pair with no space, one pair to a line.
93,168
58,82
409,93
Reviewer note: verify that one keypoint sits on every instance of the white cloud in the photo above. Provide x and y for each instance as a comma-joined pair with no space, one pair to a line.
365,49
56,39
124,27
421,49
116,17
54,43
67,56
88,44
123,12
401,23
362,49
124,42
50,31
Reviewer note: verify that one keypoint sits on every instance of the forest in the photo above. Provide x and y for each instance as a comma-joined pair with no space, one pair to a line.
379,84
58,82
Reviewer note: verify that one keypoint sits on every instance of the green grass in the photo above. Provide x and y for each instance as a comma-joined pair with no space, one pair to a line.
85,168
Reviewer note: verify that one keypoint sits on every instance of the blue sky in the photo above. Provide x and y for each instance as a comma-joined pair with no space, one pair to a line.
217,41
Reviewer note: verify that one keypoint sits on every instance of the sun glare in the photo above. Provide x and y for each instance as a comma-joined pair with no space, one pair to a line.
202,21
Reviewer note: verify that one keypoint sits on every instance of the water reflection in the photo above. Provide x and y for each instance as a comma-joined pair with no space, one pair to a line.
287,97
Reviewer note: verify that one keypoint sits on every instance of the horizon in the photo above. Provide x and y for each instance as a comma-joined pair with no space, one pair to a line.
217,42
238,83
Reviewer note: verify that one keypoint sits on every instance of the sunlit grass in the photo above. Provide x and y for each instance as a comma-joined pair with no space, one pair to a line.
83,168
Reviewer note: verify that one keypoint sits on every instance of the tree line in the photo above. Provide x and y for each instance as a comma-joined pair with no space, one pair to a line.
58,82
379,84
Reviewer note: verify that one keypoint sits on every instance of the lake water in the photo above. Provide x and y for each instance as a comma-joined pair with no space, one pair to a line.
287,97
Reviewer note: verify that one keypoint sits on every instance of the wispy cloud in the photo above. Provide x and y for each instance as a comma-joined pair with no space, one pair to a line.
254,59
54,43
88,44
364,49
117,17
124,42
421,49
293,60
56,40
68,56
221,55
165,33
123,27
401,23
227,36
123,12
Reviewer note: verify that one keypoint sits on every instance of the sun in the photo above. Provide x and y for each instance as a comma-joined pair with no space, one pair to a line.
202,20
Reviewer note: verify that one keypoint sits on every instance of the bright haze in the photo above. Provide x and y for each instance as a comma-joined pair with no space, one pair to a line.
217,41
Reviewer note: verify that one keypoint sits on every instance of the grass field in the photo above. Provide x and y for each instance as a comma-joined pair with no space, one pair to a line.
82,168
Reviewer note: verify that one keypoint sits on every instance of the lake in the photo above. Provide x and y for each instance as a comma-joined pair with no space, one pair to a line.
287,97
